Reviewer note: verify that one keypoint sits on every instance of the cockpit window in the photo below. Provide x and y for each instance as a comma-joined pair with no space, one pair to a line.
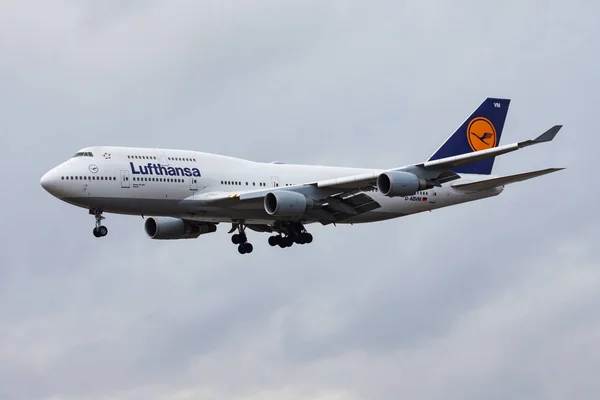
83,154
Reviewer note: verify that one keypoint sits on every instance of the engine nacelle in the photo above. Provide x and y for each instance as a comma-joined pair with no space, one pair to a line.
285,203
400,183
175,228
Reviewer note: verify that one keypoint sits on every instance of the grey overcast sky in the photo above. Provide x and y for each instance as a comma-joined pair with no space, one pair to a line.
495,299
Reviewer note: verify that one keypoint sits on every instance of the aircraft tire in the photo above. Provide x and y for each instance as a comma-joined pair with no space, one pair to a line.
242,249
96,233
273,240
308,238
102,231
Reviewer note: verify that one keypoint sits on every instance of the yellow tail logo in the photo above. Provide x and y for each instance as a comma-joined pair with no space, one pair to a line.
481,134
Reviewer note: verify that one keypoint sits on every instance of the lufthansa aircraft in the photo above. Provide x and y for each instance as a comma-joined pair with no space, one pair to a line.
187,193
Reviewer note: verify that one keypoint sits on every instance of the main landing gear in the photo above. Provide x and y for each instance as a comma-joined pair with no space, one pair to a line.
99,230
242,240
294,233
288,233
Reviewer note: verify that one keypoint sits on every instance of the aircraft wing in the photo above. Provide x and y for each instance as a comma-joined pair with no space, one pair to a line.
335,205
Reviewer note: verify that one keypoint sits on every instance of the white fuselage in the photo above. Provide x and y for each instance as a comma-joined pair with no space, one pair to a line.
160,182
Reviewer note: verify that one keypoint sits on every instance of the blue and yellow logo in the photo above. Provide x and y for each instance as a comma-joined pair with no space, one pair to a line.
481,134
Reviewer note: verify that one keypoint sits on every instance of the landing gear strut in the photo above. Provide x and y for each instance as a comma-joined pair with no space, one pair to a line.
99,230
242,240
294,233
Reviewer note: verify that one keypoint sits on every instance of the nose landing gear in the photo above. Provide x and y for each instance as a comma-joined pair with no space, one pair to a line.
99,230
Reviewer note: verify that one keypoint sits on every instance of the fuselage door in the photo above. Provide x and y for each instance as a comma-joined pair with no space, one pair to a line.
431,195
124,178
193,183
274,181
162,158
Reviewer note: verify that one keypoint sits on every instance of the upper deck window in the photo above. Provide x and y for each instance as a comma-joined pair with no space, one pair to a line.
83,154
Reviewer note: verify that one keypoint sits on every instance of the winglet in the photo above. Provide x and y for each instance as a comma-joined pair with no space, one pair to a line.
548,135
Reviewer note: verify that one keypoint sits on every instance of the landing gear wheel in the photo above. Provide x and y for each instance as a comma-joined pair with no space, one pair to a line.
274,240
287,241
100,231
103,231
245,248
235,239
308,238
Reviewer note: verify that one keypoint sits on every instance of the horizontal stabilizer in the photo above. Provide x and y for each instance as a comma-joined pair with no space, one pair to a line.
504,180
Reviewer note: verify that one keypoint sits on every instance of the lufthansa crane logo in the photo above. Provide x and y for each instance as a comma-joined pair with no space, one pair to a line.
93,168
481,134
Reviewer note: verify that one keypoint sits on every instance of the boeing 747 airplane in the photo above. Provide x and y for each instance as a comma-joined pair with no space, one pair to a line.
188,193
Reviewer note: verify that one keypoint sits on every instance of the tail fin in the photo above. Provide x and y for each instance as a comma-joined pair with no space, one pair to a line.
481,131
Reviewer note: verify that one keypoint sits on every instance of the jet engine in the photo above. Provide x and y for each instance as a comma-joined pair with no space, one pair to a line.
285,203
400,183
175,228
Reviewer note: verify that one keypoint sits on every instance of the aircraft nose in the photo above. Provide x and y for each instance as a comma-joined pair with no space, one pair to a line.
50,183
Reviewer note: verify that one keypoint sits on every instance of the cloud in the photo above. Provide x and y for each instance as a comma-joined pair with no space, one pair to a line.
490,299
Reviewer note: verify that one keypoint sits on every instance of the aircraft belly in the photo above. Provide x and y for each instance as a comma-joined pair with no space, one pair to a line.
129,205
